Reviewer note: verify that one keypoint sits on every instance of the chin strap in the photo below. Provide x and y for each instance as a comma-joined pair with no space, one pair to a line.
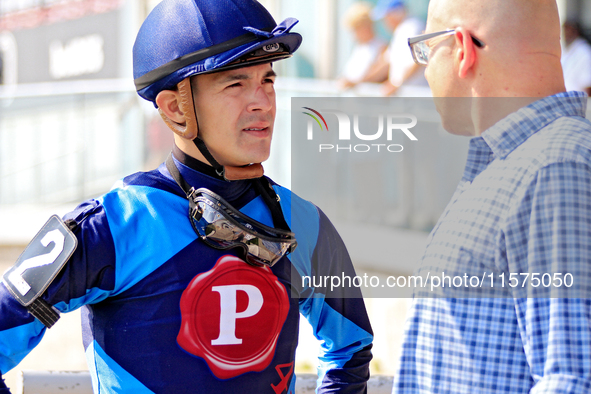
229,173
190,130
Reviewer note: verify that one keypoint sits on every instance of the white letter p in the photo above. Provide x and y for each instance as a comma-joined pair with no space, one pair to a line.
229,313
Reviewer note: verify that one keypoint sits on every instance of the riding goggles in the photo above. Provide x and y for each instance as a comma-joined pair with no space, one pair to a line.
221,226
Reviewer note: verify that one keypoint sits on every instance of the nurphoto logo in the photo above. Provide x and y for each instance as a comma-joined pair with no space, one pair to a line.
390,123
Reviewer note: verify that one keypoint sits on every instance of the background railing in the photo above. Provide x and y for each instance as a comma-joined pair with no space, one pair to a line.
61,143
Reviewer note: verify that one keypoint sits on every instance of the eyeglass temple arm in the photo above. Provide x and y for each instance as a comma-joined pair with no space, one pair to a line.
423,37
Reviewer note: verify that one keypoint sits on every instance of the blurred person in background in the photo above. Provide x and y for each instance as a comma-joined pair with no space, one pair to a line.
189,275
521,212
394,62
576,58
368,47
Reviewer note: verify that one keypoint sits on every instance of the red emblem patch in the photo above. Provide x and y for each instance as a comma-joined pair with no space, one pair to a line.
232,316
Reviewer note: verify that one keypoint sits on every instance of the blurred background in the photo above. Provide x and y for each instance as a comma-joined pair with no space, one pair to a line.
71,124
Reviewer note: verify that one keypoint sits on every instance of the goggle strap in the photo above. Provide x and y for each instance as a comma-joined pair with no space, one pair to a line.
176,175
262,185
270,198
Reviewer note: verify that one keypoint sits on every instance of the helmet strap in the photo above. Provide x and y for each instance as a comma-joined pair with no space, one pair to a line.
229,173
219,169
190,129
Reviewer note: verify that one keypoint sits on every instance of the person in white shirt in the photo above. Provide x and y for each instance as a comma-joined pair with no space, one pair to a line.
401,70
367,49
576,59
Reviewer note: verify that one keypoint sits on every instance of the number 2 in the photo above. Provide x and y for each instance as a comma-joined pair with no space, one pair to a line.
16,277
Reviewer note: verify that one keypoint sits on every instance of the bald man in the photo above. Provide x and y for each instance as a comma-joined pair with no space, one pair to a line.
520,219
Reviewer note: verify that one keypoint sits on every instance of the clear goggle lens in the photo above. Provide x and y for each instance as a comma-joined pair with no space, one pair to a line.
221,226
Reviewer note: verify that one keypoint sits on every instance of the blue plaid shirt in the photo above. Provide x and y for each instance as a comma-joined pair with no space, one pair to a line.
522,206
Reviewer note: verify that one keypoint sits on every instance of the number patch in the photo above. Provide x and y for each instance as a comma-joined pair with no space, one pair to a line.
41,261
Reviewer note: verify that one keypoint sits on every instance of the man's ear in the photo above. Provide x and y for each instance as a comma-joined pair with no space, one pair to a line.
177,110
465,52
168,102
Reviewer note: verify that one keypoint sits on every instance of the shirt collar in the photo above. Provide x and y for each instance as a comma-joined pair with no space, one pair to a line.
479,155
513,130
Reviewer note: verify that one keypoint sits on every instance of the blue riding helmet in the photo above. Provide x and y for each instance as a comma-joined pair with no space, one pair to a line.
181,38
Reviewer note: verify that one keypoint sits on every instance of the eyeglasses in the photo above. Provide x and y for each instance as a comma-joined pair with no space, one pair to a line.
224,227
420,50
